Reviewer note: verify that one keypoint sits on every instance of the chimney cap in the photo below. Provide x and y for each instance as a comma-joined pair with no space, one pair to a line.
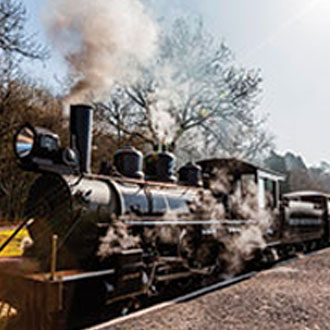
81,105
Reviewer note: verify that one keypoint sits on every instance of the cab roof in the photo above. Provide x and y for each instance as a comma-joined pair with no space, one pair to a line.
238,166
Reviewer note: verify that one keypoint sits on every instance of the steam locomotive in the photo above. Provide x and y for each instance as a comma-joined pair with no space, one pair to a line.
136,226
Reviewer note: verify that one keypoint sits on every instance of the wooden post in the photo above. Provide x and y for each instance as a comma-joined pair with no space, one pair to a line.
54,257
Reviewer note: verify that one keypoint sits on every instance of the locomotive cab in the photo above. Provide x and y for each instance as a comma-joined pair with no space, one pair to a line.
241,177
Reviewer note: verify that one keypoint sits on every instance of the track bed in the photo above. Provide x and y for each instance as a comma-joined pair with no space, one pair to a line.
293,296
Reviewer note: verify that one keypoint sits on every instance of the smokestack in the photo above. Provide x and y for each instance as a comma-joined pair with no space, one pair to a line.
81,125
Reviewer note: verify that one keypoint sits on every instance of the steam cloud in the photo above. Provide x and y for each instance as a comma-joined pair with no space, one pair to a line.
103,41
167,97
244,245
117,239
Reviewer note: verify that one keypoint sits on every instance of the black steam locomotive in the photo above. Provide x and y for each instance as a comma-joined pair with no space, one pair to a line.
137,226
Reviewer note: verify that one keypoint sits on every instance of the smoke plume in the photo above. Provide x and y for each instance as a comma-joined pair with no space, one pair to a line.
103,41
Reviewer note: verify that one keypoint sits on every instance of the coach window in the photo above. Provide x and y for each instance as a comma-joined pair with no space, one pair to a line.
261,193
271,193
267,193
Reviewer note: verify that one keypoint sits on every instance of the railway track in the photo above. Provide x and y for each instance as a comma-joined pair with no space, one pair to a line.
177,300
195,294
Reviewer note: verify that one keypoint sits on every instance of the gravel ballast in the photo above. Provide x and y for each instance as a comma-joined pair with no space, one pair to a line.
295,296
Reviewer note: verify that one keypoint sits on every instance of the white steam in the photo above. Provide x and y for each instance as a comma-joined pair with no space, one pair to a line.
103,41
166,100
243,246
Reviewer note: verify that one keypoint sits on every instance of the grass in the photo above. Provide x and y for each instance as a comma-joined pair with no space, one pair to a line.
14,248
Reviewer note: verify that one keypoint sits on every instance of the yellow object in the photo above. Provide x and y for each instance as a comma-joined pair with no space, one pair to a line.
14,249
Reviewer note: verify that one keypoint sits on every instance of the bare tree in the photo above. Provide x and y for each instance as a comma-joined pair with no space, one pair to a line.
21,103
14,41
15,45
20,100
124,116
193,89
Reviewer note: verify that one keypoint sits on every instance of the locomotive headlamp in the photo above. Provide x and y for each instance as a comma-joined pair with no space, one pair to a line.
33,141
24,141
38,149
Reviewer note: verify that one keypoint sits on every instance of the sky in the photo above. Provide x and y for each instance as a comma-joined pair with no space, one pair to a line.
288,40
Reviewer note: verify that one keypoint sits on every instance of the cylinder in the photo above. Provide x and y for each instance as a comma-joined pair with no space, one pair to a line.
81,126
